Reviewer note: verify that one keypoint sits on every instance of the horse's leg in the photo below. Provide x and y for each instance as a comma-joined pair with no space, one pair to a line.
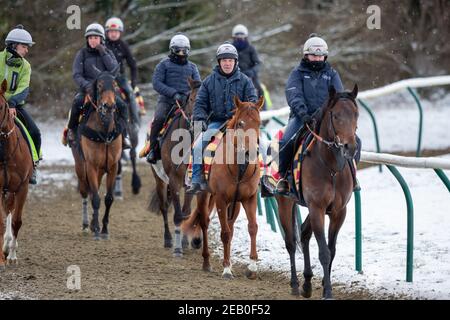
135,179
15,208
162,194
203,200
317,217
250,210
95,199
225,235
118,187
185,212
306,233
5,237
109,199
285,209
336,222
177,217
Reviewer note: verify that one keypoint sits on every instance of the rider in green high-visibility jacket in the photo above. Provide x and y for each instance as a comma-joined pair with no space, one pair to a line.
17,71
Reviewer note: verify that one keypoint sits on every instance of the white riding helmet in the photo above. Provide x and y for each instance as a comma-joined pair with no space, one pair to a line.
315,46
239,30
19,35
95,29
114,23
180,41
227,51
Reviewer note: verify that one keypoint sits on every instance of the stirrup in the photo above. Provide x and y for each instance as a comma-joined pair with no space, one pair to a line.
283,187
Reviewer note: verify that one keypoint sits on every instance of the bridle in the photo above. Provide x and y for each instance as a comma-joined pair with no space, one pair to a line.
5,118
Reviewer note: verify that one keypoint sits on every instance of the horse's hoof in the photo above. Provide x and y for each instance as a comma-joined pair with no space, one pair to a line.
178,253
207,268
104,236
227,276
2,267
252,275
168,244
196,243
295,291
96,236
306,293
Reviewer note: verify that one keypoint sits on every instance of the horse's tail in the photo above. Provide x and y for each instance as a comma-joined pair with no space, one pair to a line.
154,204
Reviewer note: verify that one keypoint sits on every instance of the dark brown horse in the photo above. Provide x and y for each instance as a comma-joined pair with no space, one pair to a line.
176,175
96,157
16,166
327,186
232,184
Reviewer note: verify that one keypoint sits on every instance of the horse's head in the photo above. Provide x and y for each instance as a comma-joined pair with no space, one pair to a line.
339,122
106,98
246,122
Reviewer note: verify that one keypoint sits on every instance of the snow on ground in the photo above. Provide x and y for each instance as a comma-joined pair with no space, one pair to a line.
384,238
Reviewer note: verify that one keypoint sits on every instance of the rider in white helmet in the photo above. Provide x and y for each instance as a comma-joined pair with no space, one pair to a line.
17,72
214,103
249,62
114,29
306,91
170,80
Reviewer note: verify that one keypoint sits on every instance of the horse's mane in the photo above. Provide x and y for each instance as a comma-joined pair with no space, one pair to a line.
196,84
320,113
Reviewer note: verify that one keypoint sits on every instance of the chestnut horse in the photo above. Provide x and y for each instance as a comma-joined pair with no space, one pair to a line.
95,158
16,167
327,185
176,174
232,184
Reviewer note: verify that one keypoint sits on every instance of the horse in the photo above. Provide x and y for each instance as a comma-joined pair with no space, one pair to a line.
16,168
232,184
166,192
133,126
97,152
327,184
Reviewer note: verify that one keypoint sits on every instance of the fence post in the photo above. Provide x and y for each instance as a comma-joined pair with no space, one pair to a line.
269,214
410,224
419,105
358,236
443,177
375,127
277,215
260,213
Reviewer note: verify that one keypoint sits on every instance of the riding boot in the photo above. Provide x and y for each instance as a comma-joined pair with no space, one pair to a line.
125,140
154,154
34,174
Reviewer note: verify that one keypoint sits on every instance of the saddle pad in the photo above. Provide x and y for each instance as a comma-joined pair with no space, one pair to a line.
34,153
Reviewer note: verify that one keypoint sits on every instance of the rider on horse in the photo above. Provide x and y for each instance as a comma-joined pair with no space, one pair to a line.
170,80
215,103
17,71
114,28
249,62
95,56
306,91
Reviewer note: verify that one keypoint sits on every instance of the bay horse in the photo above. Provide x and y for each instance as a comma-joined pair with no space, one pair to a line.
166,192
99,156
327,184
232,184
16,166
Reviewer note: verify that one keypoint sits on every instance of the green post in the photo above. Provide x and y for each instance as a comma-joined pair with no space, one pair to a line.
277,215
269,214
279,121
375,128
419,105
299,216
410,227
358,235
260,213
443,177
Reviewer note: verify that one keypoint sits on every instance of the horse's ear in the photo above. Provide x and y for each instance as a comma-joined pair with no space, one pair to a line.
260,103
355,91
237,101
4,86
331,92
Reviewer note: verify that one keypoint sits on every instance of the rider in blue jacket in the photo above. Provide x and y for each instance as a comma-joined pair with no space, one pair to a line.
306,91
214,102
